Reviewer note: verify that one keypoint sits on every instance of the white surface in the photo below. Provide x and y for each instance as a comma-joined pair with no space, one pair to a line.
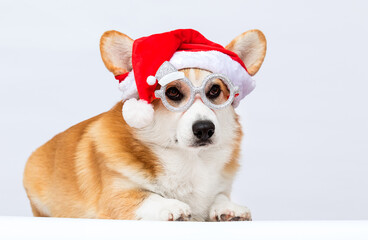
306,124
64,228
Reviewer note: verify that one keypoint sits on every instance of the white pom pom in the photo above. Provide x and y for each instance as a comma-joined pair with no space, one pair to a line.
137,113
151,80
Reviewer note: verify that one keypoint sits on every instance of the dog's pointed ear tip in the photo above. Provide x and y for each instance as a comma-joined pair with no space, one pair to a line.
261,36
108,33
259,33
113,33
252,35
254,30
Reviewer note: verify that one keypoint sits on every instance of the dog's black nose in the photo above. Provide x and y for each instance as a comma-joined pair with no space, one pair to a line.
203,130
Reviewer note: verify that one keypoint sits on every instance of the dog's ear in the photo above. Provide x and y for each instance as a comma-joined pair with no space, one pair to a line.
251,48
116,52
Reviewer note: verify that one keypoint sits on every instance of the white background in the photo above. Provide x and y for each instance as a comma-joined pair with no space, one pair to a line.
305,150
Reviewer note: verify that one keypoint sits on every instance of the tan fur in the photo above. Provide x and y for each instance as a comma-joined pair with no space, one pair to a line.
73,174
195,75
122,205
232,166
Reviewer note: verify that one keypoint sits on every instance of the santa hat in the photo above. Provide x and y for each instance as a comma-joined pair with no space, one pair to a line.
183,48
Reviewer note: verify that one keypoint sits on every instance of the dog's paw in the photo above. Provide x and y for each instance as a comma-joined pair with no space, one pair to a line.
229,211
163,209
174,210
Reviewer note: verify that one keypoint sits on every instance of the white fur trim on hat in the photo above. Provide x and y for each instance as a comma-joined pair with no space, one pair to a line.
216,62
137,113
128,87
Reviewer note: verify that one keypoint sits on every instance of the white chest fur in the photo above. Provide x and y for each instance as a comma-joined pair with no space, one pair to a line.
193,177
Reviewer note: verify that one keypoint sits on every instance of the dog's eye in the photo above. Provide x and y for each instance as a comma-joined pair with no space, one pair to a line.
214,92
174,94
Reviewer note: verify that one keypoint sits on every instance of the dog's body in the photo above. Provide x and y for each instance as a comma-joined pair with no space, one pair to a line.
103,168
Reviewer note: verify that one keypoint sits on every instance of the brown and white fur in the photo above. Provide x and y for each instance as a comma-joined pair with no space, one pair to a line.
102,168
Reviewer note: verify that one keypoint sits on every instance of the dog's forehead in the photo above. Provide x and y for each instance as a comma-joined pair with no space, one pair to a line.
195,75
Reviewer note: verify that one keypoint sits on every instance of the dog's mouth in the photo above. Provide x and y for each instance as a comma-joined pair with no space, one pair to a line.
201,143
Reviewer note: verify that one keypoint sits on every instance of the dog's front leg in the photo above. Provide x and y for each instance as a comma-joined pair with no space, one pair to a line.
138,204
225,210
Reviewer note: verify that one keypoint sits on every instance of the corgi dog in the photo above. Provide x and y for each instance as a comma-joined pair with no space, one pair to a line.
180,167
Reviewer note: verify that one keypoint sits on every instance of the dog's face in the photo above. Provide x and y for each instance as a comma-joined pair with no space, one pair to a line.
198,127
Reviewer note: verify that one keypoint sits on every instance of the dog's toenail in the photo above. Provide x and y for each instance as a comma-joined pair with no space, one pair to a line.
236,219
224,217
